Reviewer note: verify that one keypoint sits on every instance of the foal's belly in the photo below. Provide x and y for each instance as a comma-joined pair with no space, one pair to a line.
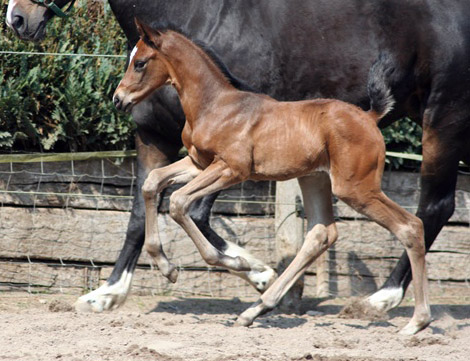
288,164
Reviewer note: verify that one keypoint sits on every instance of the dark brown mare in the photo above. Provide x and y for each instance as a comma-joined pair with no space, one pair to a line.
301,49
233,136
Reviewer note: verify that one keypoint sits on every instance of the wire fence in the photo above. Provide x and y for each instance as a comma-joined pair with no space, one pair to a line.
72,214
63,221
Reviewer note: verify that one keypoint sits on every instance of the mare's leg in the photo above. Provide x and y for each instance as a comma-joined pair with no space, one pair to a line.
322,233
182,171
442,150
214,178
407,228
114,291
261,276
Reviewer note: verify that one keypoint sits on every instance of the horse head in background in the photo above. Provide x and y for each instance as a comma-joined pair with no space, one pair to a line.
28,18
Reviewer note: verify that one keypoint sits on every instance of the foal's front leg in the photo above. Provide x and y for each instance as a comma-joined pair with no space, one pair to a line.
182,171
215,177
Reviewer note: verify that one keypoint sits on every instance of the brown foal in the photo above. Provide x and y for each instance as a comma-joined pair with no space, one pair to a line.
233,136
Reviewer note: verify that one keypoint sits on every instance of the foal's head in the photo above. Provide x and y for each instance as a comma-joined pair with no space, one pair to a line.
147,71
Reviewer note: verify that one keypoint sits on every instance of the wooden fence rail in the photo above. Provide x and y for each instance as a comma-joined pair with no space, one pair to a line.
62,225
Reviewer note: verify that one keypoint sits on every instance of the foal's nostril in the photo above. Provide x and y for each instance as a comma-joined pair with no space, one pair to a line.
18,22
117,102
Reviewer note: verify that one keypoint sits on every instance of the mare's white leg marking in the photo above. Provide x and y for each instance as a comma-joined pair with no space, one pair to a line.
261,275
11,5
386,299
106,297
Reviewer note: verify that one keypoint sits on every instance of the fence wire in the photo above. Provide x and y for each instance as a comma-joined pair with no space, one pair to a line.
63,224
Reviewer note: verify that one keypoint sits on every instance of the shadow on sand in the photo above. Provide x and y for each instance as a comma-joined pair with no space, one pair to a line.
445,316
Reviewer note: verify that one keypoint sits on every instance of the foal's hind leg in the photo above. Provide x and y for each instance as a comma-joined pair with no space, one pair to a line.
316,192
182,171
316,242
442,151
409,231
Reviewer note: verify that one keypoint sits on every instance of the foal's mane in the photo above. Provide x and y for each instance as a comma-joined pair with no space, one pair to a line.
234,81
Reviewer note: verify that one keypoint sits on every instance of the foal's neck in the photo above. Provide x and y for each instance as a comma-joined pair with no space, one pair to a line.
196,77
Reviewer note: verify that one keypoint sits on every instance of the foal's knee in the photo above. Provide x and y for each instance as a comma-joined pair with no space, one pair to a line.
411,235
178,206
150,187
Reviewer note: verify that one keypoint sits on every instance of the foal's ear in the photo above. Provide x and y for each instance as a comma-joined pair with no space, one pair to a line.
148,35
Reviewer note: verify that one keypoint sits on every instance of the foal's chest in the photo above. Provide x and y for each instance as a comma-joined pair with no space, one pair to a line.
199,146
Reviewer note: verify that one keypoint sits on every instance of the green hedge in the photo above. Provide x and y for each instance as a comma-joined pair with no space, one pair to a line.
58,103
51,103
403,136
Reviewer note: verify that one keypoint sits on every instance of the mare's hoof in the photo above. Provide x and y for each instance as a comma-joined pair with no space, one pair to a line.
83,306
98,301
385,299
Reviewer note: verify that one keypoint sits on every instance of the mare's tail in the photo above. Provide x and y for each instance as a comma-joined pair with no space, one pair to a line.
378,87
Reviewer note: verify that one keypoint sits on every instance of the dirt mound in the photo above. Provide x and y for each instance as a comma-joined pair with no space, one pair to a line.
358,309
340,358
416,341
148,354
60,306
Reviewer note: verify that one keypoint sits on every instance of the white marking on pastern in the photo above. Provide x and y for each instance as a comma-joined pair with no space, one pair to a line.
386,299
107,296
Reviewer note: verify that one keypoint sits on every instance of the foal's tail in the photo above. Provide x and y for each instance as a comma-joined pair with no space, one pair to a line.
378,87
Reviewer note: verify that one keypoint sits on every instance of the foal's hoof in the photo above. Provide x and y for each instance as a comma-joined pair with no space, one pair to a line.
414,327
248,316
169,271
262,280
172,275
243,321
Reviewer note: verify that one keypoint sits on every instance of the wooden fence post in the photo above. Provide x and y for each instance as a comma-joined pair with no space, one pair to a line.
289,238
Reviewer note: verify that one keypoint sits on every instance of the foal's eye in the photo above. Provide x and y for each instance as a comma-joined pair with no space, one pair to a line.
139,65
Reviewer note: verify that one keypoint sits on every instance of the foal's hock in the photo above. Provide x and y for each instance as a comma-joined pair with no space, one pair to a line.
233,136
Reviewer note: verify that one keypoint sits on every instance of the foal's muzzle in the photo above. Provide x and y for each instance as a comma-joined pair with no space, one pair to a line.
121,103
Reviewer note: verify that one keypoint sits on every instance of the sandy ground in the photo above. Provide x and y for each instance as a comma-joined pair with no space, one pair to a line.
43,327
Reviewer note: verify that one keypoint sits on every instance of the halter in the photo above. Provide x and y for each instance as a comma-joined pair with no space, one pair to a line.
54,8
